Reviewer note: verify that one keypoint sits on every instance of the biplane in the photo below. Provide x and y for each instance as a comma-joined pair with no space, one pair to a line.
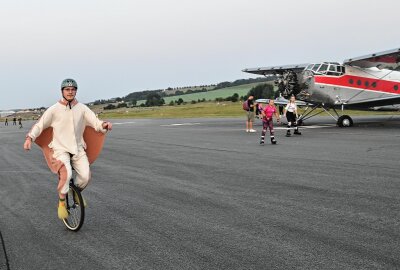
358,83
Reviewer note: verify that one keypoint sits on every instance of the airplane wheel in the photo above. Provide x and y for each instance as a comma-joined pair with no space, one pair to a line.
345,121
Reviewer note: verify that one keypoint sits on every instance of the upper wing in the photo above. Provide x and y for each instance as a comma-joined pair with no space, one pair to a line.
276,69
387,59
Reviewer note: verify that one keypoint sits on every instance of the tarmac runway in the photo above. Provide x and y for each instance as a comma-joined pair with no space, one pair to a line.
203,194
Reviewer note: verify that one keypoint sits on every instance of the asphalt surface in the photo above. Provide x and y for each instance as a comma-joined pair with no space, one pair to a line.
205,195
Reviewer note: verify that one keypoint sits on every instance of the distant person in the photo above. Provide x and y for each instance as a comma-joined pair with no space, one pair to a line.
68,118
20,122
267,117
250,114
6,122
291,116
280,105
259,109
280,110
14,121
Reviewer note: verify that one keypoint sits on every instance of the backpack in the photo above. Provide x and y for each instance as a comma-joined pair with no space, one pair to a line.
245,105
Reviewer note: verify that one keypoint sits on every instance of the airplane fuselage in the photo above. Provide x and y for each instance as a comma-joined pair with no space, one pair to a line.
354,85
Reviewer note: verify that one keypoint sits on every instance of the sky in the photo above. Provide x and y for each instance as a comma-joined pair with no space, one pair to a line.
113,48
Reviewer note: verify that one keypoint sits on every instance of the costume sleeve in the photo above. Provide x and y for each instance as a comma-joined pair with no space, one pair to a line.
43,123
92,120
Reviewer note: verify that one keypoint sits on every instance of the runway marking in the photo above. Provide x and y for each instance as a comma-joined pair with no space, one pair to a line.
123,123
307,127
181,124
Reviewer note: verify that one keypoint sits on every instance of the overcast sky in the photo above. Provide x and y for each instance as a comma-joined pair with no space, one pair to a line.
113,48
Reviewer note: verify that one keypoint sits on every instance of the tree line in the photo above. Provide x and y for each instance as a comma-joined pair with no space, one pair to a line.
155,99
133,97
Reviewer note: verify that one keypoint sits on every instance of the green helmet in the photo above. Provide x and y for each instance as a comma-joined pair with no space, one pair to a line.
69,82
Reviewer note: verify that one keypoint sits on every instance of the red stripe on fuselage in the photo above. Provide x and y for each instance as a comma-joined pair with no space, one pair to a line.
361,83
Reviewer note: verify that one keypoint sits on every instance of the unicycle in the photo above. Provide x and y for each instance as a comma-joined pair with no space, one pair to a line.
75,208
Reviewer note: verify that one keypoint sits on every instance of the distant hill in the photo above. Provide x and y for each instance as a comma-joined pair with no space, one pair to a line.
241,90
184,92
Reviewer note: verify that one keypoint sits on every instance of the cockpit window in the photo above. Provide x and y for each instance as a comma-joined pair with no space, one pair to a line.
308,67
327,68
323,68
315,67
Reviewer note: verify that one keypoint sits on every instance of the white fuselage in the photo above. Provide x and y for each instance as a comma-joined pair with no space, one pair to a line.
351,86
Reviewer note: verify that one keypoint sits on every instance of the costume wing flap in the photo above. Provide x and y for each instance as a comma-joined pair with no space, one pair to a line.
94,144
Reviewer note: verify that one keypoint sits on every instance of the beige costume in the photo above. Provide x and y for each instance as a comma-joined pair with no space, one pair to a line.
64,127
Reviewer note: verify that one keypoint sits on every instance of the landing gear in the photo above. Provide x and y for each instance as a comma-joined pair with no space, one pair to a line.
300,122
344,121
341,121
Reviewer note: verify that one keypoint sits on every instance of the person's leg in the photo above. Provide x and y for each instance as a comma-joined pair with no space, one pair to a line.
296,128
251,122
62,160
289,124
247,121
81,164
271,131
264,130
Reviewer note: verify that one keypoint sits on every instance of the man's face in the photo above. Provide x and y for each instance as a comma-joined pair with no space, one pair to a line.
69,93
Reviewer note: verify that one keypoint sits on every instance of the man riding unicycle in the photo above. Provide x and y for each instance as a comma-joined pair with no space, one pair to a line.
67,149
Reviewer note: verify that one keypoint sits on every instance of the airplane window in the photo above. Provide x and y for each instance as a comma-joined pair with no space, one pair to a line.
373,84
351,81
315,67
332,68
323,67
359,82
396,87
310,67
366,83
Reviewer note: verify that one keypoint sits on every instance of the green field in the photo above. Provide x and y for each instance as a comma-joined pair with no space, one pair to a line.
203,109
241,90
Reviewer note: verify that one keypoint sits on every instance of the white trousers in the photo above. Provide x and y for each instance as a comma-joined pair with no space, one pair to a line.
81,165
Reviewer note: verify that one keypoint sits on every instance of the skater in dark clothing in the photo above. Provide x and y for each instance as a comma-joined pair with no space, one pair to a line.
291,116
20,122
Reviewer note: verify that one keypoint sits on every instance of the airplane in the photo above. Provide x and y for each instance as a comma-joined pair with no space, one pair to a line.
359,83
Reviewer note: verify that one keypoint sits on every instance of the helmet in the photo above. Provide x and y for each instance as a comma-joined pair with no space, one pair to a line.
69,82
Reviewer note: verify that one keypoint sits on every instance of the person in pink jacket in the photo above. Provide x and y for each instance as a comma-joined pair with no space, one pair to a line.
68,119
267,113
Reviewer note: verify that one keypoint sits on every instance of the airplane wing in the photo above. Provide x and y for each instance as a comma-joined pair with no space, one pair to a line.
281,101
387,59
276,69
375,102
